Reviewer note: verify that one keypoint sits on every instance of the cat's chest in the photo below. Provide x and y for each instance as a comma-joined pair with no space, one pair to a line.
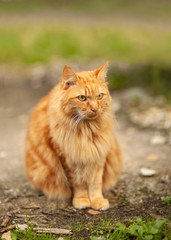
86,148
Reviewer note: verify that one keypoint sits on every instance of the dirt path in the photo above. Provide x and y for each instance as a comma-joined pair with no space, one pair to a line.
80,18
133,195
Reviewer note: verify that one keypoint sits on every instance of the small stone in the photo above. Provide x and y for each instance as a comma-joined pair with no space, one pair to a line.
3,154
22,226
157,139
6,236
146,172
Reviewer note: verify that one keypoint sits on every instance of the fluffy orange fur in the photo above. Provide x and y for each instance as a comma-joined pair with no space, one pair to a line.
71,149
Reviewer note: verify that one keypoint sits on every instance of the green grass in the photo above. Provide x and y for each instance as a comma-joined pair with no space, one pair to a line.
137,229
45,43
166,200
27,45
115,40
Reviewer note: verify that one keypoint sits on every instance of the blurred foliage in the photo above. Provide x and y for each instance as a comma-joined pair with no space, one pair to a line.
21,5
29,42
153,78
44,43
133,32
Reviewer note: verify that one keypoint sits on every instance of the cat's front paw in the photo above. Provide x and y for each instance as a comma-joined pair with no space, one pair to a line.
81,203
100,203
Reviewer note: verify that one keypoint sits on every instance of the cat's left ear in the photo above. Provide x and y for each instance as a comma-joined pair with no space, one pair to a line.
101,72
68,77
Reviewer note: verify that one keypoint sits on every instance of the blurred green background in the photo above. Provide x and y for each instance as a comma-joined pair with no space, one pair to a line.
134,33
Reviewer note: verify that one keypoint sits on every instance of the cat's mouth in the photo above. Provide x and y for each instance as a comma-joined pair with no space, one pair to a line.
91,116
88,116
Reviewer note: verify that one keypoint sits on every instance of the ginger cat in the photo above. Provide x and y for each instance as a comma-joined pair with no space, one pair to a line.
71,149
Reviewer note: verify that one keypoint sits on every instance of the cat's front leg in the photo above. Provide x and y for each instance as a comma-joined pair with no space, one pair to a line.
81,199
95,191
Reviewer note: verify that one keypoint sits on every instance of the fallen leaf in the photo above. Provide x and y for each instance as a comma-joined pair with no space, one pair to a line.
45,230
122,223
6,236
93,212
33,206
152,157
7,228
22,216
53,230
5,222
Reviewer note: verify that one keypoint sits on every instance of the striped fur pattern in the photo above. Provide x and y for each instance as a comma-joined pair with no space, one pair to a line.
71,149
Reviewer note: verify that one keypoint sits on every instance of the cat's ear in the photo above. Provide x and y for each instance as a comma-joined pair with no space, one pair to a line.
68,77
101,72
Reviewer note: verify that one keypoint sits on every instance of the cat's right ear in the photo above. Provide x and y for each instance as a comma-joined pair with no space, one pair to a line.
69,77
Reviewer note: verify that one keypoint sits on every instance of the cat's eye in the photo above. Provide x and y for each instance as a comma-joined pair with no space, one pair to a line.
82,98
100,96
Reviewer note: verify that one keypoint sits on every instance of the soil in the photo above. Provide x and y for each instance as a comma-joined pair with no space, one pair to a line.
134,195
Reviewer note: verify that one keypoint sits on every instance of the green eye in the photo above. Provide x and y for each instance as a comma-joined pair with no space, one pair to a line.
82,98
100,96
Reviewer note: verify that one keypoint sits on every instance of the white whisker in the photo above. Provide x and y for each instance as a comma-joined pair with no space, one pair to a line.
77,122
71,122
76,118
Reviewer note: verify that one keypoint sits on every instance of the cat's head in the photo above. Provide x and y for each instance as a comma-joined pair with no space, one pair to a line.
85,94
